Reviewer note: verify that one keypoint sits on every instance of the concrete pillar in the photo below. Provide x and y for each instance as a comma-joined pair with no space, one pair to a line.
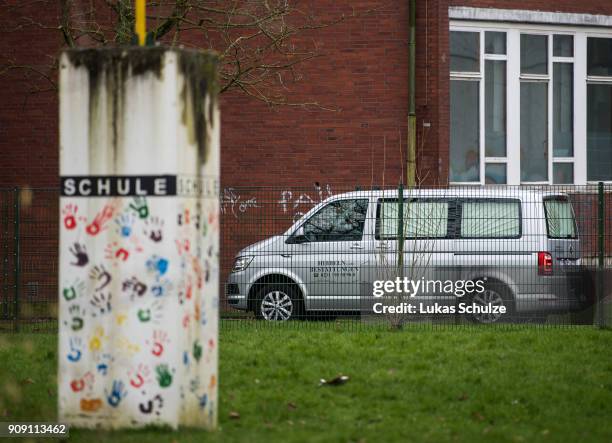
139,238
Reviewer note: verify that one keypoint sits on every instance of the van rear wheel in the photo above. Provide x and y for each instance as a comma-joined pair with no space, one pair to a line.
492,299
278,302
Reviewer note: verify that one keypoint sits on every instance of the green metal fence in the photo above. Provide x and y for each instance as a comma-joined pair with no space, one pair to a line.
29,229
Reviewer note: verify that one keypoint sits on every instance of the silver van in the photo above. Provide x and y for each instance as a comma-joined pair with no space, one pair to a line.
521,244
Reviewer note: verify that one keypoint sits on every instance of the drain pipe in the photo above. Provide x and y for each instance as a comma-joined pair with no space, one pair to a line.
411,165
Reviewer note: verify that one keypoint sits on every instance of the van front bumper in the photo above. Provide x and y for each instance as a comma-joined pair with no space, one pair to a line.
236,293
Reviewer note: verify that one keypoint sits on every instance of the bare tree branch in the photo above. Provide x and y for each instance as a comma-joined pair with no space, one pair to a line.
260,43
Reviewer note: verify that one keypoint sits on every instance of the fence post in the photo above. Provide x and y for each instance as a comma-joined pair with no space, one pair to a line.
600,253
400,228
17,238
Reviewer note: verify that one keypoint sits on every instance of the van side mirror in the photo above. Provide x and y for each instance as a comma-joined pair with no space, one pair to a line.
298,237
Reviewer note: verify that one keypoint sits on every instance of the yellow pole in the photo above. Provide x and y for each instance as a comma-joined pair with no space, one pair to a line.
141,23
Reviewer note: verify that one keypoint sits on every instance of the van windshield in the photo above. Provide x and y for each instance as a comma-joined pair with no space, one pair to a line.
559,218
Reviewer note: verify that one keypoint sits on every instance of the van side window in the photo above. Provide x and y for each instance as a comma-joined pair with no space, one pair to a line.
341,220
490,218
423,218
560,221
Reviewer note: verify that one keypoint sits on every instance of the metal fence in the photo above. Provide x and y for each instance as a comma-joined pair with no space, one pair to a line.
384,256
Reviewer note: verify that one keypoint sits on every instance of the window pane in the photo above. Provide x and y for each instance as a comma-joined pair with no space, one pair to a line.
560,218
563,173
495,173
599,56
464,145
563,46
464,51
534,54
422,219
599,132
338,221
495,108
495,42
563,110
534,131
490,219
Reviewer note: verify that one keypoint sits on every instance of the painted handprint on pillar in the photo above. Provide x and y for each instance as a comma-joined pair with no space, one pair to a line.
100,276
76,349
134,288
153,405
101,220
153,229
125,224
158,343
76,289
139,376
164,375
101,303
116,253
139,205
116,394
70,216
79,251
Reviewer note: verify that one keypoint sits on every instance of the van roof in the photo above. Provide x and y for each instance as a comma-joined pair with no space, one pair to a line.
459,192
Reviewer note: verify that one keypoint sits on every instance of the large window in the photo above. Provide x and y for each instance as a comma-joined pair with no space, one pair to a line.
599,109
423,218
341,220
530,105
491,219
478,78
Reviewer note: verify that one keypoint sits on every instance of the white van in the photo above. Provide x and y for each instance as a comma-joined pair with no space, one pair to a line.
522,244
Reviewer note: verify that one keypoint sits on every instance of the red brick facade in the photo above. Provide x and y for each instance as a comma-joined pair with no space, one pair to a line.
364,74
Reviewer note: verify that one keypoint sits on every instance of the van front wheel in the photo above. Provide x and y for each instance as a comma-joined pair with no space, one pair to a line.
278,303
488,305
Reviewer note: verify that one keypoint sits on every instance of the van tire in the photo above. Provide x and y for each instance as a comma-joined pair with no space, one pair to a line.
279,302
495,293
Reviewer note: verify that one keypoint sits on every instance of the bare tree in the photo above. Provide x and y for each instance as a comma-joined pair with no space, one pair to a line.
260,43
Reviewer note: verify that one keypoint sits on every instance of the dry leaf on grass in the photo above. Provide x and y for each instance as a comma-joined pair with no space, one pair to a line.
336,381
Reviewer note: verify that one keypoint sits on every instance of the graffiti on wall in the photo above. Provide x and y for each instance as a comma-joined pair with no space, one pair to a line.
299,203
291,202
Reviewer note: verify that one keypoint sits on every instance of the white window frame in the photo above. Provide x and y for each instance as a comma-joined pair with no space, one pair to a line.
513,79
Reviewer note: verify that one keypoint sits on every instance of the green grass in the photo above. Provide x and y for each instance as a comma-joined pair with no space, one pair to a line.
529,384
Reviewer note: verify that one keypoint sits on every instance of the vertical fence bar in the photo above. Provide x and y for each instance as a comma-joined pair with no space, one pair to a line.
600,253
400,228
17,238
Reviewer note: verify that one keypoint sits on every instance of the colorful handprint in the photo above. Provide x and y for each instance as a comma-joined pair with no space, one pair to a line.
134,287
101,219
125,223
101,276
153,229
139,205
164,376
139,376
158,342
79,251
76,349
116,394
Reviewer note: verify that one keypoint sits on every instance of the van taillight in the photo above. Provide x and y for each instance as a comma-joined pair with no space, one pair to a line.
545,263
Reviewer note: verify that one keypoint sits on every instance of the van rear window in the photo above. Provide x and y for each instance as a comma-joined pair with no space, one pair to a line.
560,221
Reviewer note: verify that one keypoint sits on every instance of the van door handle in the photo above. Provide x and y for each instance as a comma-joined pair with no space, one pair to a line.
356,245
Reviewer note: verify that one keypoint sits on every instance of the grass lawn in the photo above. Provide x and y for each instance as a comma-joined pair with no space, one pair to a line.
528,384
